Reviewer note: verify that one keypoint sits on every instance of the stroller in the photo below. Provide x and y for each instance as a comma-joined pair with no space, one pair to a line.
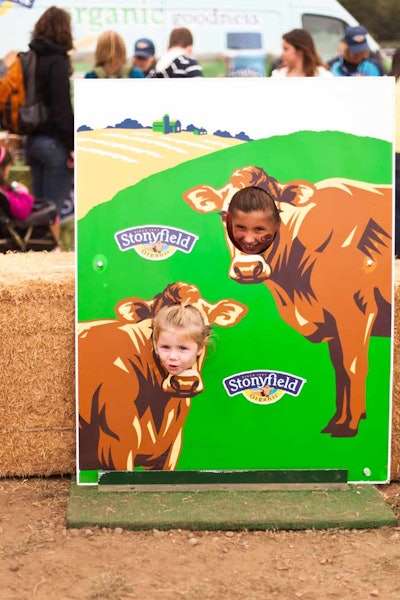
33,233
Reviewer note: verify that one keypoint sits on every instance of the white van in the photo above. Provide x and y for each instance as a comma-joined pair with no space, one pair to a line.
213,23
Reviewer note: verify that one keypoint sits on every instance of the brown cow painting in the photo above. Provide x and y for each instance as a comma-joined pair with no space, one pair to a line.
131,411
328,269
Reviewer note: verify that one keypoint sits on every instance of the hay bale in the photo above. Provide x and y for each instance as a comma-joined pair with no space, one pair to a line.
41,451
37,363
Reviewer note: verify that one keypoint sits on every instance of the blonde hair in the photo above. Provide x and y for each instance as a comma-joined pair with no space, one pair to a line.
185,318
110,51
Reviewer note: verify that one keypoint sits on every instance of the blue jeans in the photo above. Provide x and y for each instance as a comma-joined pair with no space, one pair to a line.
51,178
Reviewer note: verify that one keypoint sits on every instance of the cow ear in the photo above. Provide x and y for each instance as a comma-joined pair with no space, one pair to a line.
203,199
226,313
133,310
297,192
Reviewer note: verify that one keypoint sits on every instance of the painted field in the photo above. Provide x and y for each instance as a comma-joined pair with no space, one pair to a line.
112,159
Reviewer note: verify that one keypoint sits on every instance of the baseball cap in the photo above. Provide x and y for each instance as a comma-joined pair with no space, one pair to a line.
144,48
356,39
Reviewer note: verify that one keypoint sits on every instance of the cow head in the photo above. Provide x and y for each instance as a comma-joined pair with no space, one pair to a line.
136,313
248,268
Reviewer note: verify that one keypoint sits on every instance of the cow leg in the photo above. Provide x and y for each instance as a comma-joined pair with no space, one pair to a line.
174,453
165,462
119,429
349,355
118,452
337,422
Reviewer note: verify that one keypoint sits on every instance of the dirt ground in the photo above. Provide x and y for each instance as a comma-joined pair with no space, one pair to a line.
41,559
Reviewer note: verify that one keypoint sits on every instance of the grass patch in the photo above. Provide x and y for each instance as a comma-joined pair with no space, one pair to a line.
110,586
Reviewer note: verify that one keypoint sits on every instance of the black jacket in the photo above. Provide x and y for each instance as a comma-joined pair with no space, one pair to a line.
53,87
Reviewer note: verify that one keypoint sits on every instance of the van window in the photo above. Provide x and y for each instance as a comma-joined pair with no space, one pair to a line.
326,33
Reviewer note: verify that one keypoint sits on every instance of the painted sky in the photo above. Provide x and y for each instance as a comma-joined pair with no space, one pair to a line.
358,105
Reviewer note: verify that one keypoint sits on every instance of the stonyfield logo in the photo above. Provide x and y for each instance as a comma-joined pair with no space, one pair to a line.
155,242
263,387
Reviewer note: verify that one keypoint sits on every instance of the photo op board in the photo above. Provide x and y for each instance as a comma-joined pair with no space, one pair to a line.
297,374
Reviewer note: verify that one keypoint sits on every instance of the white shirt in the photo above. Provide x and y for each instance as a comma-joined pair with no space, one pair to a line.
283,72
168,58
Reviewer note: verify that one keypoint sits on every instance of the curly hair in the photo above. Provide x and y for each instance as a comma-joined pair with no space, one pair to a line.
55,25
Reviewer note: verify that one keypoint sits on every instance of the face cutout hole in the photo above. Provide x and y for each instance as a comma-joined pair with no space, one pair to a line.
252,220
253,232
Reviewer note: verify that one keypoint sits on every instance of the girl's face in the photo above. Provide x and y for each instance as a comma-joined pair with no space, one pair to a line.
290,56
176,351
253,232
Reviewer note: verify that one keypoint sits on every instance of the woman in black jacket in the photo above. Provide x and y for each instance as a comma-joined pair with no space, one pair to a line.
50,149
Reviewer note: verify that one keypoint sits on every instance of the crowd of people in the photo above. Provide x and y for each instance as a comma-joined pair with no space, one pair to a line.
299,57
50,149
111,57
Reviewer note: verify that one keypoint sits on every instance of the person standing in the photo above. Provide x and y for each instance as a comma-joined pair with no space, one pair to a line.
144,55
50,149
110,59
355,60
178,60
300,57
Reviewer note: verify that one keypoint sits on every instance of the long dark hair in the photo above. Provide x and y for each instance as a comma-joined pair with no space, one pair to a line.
55,25
302,40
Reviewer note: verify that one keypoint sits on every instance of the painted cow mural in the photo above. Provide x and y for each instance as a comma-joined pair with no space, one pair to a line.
131,411
328,270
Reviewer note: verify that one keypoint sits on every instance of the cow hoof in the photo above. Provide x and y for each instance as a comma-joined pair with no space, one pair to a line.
345,432
339,430
329,428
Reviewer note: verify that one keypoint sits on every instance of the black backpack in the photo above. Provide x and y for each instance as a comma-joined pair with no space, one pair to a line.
34,112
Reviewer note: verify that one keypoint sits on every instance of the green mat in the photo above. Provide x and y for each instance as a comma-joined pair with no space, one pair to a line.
353,507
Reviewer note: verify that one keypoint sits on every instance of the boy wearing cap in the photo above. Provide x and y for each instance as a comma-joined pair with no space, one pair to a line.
144,55
356,56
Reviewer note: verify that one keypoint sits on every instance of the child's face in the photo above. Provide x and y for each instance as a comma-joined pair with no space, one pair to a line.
176,351
253,232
